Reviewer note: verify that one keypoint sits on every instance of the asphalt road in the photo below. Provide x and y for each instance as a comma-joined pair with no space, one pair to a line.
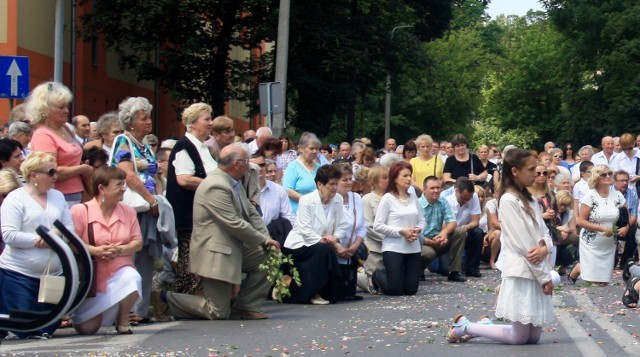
591,321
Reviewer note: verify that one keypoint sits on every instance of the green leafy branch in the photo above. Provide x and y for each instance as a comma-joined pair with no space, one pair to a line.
275,275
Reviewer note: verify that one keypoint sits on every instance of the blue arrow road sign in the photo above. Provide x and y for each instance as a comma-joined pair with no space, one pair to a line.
14,77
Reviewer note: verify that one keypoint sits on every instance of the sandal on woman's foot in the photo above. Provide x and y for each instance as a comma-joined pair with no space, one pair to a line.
458,321
484,320
626,274
570,277
631,287
627,299
124,329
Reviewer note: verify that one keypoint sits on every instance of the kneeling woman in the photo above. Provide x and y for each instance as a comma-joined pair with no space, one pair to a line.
315,241
399,218
112,234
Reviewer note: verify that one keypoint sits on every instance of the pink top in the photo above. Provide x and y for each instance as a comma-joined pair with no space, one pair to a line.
68,154
122,228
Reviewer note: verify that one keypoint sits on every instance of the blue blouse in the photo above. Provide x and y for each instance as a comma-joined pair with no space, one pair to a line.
298,178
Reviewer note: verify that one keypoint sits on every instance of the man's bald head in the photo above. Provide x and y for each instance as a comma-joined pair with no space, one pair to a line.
234,160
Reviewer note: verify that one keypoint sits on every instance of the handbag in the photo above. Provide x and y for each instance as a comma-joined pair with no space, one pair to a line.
51,286
131,198
93,289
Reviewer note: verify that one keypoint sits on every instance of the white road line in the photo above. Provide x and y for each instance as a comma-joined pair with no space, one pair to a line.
580,337
617,333
103,342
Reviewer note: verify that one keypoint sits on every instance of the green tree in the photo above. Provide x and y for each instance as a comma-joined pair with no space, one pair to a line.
186,45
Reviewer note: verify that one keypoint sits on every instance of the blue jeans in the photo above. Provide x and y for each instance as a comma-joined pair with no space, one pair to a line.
20,292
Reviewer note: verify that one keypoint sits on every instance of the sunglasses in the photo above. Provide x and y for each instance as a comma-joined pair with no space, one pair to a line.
271,171
542,173
606,174
50,173
557,156
569,149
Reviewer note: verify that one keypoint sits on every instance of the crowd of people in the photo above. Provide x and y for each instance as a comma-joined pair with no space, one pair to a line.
212,205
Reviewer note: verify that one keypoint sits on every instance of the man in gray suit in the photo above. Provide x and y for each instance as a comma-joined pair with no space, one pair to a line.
229,238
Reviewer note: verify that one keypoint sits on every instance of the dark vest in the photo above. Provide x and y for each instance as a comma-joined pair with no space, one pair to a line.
182,199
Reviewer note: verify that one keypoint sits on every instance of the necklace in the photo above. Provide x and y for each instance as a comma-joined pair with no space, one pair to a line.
135,141
403,201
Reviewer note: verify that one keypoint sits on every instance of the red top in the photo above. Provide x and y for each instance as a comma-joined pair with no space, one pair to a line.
67,154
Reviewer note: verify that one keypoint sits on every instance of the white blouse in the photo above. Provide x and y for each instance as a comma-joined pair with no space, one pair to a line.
393,216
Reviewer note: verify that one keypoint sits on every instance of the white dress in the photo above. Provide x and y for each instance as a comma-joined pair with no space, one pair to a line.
597,252
521,298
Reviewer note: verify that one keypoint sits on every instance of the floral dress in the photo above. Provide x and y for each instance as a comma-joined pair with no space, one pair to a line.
145,162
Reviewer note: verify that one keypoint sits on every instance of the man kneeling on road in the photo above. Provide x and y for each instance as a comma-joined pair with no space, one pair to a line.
228,239
441,233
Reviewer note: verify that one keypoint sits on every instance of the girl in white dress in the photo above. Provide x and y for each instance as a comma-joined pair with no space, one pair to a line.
525,295
599,211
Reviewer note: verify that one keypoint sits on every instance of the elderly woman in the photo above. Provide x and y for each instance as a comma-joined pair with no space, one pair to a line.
599,211
189,164
299,177
425,164
151,140
22,133
315,241
138,162
462,163
108,127
399,218
353,213
48,109
26,255
111,233
563,182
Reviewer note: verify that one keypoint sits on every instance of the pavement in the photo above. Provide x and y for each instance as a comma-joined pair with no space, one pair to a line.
591,321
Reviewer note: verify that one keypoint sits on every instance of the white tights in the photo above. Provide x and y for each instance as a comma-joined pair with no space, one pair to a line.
515,334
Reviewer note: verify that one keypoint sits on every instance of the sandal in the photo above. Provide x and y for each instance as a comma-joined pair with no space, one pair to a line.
484,320
458,321
570,278
627,299
631,287
626,274
124,329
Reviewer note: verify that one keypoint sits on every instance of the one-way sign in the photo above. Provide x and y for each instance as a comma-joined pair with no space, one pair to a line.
14,77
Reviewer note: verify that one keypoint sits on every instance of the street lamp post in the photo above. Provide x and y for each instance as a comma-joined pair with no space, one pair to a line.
387,95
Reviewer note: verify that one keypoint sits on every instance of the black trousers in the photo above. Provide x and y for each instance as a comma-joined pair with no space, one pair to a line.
473,247
401,274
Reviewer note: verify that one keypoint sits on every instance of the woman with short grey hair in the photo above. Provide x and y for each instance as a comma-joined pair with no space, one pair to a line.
107,127
136,159
299,177
22,133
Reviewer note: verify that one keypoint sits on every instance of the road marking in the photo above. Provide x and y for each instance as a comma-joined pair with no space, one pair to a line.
580,337
617,333
103,342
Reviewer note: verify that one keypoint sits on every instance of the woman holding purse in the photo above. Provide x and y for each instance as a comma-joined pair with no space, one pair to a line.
141,167
26,255
112,234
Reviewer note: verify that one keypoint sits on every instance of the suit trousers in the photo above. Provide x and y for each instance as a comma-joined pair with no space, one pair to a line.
455,248
216,302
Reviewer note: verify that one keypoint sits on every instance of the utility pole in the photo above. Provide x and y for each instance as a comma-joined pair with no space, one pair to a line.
387,95
282,58
58,42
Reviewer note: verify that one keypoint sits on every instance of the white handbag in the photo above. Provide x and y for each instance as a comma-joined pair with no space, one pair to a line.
131,198
51,286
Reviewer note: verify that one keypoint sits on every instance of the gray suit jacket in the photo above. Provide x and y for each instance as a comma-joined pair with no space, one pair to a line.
220,229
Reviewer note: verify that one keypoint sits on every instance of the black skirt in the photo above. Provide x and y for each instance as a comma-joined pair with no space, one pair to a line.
319,273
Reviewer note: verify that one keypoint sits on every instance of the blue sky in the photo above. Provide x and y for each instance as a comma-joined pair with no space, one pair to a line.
512,7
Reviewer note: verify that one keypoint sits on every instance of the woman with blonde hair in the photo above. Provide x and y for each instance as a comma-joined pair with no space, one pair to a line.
425,164
189,164
48,109
599,212
26,255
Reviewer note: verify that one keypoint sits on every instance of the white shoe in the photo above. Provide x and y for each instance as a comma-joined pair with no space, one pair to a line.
317,300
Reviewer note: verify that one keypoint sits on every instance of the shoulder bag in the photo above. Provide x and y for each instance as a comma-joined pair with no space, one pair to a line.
131,198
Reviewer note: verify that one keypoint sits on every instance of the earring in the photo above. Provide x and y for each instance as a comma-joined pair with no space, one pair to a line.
102,200
35,184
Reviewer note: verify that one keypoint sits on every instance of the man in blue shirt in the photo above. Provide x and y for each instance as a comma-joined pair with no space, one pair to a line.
440,232
626,235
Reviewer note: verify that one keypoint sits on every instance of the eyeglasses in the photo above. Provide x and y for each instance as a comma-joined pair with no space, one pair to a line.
271,171
51,172
606,174
542,173
262,164
243,160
